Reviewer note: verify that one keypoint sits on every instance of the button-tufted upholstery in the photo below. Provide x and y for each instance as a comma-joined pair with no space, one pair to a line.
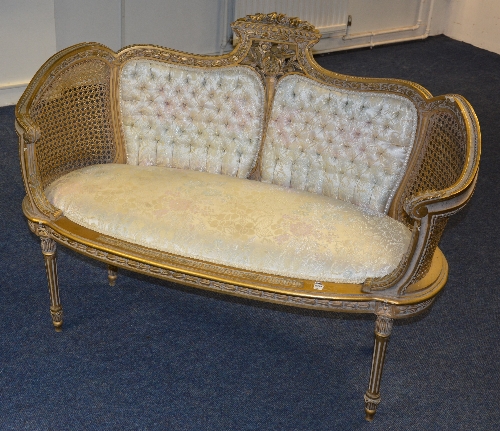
191,118
348,145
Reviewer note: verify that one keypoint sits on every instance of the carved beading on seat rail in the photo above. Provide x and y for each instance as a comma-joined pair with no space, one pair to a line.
115,260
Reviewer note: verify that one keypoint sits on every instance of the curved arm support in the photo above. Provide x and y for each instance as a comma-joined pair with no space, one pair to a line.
453,198
430,211
447,201
28,130
28,134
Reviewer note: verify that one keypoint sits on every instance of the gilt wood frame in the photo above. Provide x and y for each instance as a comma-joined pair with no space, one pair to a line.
274,45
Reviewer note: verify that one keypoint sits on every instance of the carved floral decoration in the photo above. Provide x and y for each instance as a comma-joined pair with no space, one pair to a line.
272,59
278,19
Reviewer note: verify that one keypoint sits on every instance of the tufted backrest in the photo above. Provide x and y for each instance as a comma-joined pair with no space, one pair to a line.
351,145
191,118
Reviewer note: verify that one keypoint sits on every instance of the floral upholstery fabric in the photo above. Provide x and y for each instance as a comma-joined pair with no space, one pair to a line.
230,221
191,118
348,145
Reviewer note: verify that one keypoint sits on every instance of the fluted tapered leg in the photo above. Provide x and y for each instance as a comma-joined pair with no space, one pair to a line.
383,328
49,251
112,274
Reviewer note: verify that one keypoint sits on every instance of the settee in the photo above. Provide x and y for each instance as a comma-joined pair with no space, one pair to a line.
255,173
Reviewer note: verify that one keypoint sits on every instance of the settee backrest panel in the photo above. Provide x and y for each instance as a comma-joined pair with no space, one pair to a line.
351,145
192,118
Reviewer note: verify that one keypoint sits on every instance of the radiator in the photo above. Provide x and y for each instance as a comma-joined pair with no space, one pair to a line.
328,16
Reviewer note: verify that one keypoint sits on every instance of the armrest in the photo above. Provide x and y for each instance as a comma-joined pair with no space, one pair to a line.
429,210
443,202
65,120
28,134
450,200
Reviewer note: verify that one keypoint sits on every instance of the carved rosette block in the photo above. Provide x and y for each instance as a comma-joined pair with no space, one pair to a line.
48,246
383,328
57,317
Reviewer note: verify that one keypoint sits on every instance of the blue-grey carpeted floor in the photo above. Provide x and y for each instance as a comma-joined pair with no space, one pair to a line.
147,355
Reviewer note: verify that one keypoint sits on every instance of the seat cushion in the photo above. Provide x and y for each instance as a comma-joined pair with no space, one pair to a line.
231,221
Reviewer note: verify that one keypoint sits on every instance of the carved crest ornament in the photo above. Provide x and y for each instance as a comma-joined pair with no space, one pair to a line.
272,59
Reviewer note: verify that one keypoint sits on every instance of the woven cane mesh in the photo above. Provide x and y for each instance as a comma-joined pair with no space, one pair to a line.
440,167
442,160
74,117
437,228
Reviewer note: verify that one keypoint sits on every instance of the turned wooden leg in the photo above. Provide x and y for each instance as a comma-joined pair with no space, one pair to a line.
49,254
112,274
383,327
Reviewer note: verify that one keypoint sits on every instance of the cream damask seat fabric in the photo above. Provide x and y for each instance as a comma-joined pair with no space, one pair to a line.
234,222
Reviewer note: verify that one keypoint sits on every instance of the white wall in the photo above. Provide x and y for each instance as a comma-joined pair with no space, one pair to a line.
389,13
476,22
32,30
88,21
373,22
380,21
440,17
27,39
185,25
